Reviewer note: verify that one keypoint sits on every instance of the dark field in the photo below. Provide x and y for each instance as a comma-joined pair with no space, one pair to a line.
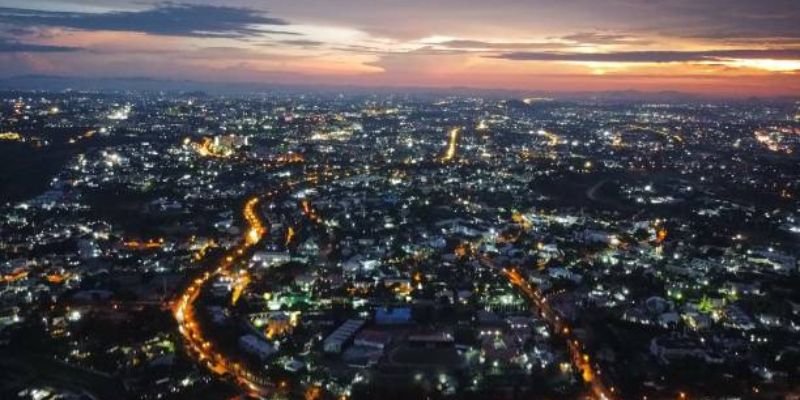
27,171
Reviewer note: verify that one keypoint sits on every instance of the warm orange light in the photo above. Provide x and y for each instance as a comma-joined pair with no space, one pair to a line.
451,146
289,235
661,235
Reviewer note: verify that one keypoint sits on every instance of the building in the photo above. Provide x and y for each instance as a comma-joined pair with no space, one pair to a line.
256,346
336,340
279,324
374,339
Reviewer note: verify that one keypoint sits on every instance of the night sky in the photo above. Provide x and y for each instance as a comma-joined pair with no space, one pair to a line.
724,47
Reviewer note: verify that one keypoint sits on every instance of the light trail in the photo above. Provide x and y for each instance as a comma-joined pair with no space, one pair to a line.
452,145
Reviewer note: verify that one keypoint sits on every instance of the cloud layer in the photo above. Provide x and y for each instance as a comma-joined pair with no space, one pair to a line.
708,45
12,46
165,19
655,56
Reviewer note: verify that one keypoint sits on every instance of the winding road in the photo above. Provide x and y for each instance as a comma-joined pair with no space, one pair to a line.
184,309
580,360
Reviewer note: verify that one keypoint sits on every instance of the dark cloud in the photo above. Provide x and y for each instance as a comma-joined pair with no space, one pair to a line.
170,19
742,35
554,43
12,46
721,19
654,56
356,48
479,44
557,43
425,50
302,42
603,38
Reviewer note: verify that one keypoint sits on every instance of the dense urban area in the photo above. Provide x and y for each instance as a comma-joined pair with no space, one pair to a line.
354,246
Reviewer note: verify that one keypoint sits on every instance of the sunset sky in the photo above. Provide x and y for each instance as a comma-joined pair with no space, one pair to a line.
724,47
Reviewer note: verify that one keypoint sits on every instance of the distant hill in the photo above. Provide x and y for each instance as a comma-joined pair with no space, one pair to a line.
121,84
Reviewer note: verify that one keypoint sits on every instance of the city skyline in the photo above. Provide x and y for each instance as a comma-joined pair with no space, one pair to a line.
727,48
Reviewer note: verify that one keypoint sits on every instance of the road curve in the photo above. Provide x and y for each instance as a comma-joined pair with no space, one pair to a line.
183,308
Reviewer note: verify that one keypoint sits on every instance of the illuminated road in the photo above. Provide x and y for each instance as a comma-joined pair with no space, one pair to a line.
552,139
184,310
580,360
452,144
185,314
